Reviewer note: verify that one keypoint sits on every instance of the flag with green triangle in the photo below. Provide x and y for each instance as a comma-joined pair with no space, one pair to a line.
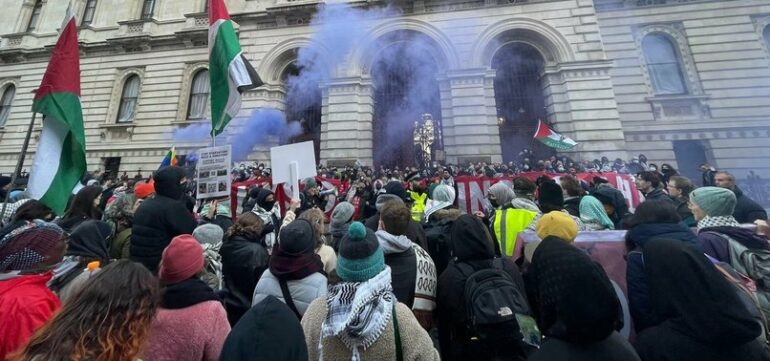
60,160
229,71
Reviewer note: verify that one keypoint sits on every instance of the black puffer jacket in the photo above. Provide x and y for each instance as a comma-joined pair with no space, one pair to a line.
243,262
160,219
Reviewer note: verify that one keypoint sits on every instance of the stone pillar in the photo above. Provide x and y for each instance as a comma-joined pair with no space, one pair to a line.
581,104
346,122
470,117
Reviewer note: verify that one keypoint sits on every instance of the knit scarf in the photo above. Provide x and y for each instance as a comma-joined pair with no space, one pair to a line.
358,313
718,221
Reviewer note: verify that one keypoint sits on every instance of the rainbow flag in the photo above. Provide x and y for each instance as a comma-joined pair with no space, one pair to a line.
170,159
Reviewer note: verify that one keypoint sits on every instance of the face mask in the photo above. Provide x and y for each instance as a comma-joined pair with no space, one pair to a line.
494,203
269,205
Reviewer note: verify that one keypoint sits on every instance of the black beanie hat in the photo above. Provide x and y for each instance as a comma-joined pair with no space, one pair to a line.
297,237
550,193
395,188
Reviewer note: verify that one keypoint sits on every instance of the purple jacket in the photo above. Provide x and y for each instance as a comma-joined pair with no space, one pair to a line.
716,246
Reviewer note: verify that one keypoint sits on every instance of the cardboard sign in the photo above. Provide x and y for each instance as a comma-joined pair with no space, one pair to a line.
213,172
293,162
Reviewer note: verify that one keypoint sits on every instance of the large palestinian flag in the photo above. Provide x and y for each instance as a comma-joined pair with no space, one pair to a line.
60,160
549,137
229,71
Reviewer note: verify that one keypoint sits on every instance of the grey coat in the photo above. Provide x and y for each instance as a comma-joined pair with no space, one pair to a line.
303,291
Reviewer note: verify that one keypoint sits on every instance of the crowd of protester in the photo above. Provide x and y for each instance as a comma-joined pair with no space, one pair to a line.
138,270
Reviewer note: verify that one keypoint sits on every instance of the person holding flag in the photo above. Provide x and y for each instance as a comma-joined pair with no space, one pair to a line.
230,72
60,161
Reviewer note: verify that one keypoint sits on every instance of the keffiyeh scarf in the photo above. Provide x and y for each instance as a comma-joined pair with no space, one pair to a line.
213,261
718,221
358,312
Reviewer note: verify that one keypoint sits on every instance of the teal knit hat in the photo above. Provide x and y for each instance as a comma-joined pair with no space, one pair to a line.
714,201
360,257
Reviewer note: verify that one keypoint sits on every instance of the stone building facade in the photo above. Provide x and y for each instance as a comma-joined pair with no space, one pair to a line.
683,82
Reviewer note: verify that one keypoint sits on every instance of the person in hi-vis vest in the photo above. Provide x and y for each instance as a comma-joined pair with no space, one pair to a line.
507,221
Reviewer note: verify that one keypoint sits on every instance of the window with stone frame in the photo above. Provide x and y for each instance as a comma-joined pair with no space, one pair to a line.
199,95
766,36
5,103
148,9
128,99
34,18
664,65
88,12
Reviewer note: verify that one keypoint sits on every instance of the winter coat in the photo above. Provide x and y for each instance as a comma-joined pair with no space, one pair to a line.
636,278
415,342
328,258
414,231
160,219
191,328
243,262
401,259
683,209
704,320
613,348
746,209
121,245
302,292
718,247
269,331
472,247
572,206
25,305
657,194
604,193
708,178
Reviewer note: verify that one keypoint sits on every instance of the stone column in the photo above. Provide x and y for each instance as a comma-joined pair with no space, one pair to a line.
346,122
581,104
471,132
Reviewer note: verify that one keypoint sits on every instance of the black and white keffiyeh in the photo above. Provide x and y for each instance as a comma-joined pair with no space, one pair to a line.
358,312
718,221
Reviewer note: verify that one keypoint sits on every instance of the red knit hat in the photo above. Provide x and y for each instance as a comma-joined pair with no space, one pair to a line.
143,190
182,259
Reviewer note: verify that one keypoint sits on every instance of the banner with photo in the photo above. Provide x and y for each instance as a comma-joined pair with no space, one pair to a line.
213,172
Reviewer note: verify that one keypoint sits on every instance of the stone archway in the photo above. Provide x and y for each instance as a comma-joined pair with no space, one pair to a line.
404,73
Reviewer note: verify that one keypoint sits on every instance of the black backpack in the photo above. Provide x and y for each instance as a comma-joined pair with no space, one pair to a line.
495,308
438,236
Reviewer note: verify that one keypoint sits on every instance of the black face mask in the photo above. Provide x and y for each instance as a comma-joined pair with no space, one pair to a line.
494,203
268,206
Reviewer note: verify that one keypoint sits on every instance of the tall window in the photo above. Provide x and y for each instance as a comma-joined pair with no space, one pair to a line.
148,9
5,104
766,35
88,14
199,95
128,100
35,17
664,65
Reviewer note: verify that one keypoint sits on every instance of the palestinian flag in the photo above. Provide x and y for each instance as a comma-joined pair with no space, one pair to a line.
549,137
229,71
60,160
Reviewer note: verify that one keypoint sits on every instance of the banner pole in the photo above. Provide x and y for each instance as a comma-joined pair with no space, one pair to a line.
20,162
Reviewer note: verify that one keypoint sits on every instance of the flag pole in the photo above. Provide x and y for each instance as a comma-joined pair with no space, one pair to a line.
20,162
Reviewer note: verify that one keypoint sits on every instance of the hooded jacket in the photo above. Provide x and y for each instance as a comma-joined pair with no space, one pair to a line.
703,319
636,278
243,262
88,242
414,231
269,331
160,219
746,209
471,245
25,305
608,194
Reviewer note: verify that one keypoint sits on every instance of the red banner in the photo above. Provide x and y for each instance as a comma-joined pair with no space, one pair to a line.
471,191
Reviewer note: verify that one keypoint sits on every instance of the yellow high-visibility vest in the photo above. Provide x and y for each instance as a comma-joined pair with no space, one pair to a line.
418,208
507,225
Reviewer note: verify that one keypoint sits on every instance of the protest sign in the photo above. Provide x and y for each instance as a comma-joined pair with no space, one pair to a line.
291,163
213,172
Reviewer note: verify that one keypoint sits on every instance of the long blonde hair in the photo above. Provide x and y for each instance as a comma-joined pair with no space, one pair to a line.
316,217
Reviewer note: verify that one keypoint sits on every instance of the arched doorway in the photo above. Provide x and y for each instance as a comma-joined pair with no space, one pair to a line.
303,105
520,99
404,74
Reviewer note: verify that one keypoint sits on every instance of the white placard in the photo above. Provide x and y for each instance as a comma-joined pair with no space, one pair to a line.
213,172
293,162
